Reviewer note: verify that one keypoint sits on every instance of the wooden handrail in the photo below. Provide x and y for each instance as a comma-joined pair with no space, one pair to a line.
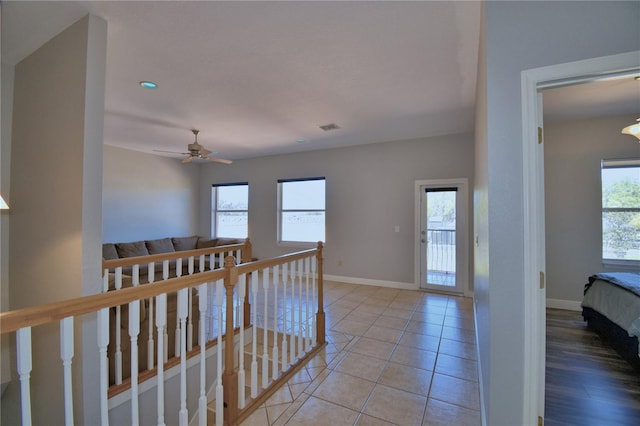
42,314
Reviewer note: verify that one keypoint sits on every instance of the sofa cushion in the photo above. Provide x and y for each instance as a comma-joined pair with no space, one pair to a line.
206,242
163,245
185,243
137,248
227,241
109,251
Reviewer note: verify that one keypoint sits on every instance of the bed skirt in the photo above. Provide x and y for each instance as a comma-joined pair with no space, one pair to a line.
614,335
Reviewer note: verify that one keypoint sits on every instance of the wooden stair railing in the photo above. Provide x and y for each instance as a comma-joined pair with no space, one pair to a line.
309,264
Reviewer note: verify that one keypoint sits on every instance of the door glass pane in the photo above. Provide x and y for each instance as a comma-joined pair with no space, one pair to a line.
441,238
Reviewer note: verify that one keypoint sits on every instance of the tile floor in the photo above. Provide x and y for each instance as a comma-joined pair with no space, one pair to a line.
394,357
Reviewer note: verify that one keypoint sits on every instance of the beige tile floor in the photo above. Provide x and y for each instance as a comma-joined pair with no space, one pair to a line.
394,357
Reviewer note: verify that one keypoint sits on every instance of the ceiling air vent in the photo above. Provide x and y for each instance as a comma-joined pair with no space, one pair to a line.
330,126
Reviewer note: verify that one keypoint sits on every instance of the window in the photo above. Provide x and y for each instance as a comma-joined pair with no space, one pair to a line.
301,210
621,211
230,210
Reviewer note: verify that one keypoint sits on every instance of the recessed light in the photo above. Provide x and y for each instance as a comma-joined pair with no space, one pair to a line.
148,84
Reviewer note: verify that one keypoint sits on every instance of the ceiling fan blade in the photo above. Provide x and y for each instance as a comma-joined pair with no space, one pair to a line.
219,160
187,160
170,152
204,151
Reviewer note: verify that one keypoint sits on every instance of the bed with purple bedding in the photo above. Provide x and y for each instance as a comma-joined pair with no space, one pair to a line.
611,306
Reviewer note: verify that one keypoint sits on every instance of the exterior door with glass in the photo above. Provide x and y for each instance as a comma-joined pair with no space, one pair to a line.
442,236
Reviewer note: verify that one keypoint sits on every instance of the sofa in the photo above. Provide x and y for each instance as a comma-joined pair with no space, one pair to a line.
112,251
145,248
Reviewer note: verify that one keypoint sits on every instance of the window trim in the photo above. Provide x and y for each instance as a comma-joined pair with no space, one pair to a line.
280,211
616,163
215,210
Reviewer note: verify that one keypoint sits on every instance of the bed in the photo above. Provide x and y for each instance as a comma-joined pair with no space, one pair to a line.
611,306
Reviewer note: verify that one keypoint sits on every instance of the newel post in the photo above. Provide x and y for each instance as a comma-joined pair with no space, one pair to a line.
320,324
247,254
246,257
230,376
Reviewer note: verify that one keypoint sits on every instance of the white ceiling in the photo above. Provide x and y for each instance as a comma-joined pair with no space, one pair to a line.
256,77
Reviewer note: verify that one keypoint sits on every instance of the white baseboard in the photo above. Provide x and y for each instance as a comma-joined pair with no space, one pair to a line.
568,305
367,281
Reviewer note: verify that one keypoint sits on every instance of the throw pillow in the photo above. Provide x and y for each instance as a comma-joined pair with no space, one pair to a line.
185,243
137,248
163,245
109,251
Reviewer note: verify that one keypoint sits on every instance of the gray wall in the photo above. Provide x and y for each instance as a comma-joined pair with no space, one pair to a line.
370,189
521,36
147,196
573,198
56,164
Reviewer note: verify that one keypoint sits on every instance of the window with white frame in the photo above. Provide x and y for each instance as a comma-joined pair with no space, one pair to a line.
301,210
230,210
621,211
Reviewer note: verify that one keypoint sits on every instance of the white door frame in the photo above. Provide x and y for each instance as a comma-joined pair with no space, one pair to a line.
462,220
533,198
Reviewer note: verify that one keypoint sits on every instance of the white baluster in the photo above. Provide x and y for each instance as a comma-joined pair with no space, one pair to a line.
183,299
134,330
221,260
66,354
118,352
275,367
176,351
23,343
292,336
202,402
285,352
161,326
301,322
165,276
242,286
151,276
315,301
190,317
307,310
219,390
103,342
254,328
265,326
105,281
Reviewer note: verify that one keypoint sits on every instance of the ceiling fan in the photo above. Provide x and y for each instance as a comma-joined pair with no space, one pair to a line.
197,151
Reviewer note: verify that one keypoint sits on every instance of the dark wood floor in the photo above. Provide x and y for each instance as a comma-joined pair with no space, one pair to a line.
587,382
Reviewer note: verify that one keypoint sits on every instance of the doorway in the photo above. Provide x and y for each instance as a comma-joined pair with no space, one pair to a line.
533,195
441,229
